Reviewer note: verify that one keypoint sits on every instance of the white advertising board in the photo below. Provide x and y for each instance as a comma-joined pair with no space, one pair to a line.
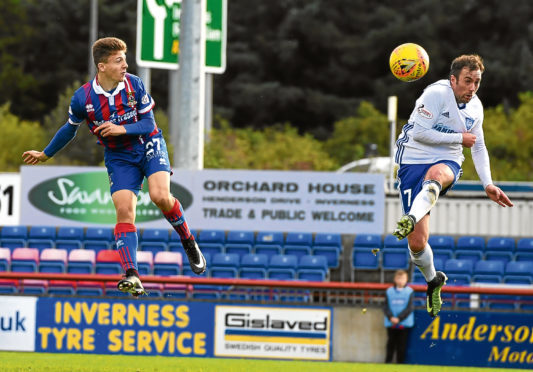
17,323
215,199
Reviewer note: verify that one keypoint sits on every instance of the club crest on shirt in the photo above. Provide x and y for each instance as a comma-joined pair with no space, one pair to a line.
131,99
425,113
469,122
89,107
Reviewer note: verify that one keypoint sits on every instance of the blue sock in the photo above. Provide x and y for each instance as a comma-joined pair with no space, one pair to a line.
126,241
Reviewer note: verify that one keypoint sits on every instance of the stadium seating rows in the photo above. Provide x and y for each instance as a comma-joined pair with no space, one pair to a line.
88,250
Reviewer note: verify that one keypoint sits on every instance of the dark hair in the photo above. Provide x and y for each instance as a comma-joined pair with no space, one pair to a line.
472,61
103,48
401,272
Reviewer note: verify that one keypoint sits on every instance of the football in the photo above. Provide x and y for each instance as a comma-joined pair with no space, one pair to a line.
409,62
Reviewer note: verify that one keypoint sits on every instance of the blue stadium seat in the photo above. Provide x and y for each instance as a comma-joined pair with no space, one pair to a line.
297,250
145,262
206,292
269,237
522,269
88,288
390,241
226,260
456,266
365,258
69,238
268,249
252,273
476,243
368,241
224,272
175,247
499,256
155,235
525,245
99,233
471,255
154,247
112,290
523,256
239,248
517,279
255,260
488,272
98,238
458,279
62,287
328,239
240,237
13,236
153,289
299,238
41,237
314,275
442,254
500,302
211,248
395,258
282,267
212,236
501,244
441,242
438,263
330,252
526,303
313,263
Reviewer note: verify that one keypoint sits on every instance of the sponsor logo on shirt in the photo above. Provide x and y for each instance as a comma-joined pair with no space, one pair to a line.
117,119
89,107
425,113
469,123
442,128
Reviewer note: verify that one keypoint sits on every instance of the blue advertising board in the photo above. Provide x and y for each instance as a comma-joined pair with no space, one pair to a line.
461,338
124,326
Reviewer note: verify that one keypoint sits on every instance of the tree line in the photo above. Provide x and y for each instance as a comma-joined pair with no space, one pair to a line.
305,70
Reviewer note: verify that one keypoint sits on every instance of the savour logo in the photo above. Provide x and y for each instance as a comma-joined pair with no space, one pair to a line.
86,197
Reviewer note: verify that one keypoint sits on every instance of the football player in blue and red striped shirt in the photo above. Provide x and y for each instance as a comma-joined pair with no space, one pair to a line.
118,111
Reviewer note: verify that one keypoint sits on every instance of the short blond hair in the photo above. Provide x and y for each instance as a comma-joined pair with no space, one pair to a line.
103,48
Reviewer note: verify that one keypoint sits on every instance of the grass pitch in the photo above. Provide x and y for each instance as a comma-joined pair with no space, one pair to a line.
33,362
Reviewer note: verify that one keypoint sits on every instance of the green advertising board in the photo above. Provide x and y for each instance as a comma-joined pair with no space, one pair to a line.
158,30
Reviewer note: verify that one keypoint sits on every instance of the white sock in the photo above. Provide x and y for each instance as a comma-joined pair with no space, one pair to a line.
426,199
424,261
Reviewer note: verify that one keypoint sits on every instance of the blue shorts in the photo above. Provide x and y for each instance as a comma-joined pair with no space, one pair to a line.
127,169
411,177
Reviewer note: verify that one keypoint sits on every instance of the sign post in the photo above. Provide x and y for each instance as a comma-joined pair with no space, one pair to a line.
158,31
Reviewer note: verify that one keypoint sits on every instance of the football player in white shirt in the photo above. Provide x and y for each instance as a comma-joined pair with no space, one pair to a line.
447,117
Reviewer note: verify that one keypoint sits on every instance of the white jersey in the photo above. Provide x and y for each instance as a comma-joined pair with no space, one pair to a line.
437,110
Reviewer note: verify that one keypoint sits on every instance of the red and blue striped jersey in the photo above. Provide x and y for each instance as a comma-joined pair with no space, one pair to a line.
126,104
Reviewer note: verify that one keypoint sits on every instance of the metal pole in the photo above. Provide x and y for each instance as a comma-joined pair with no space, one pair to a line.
189,152
392,109
208,105
146,76
173,111
93,34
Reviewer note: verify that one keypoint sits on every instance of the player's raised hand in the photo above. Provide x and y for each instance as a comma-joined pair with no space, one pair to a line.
32,157
109,129
497,195
469,139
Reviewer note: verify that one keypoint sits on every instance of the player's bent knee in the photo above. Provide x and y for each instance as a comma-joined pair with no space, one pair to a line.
161,199
417,243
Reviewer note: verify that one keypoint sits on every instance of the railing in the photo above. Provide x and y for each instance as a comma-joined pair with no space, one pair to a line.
321,293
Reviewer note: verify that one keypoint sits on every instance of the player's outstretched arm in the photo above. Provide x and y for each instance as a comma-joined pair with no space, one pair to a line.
33,157
498,196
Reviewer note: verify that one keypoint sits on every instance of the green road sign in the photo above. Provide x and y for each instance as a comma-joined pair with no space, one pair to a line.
158,31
